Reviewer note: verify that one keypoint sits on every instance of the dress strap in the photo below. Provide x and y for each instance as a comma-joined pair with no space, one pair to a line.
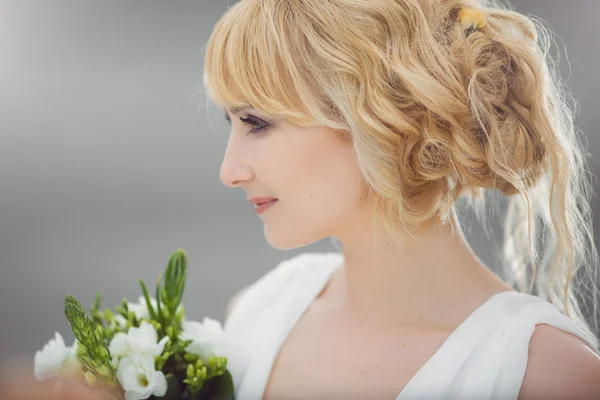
440,374
511,345
495,369
254,339
486,356
249,313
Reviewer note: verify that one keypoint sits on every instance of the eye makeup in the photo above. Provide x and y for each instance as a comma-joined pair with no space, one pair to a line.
256,123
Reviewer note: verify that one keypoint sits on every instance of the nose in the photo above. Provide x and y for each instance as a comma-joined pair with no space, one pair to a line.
234,169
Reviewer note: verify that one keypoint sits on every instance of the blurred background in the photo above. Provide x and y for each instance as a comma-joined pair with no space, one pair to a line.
110,157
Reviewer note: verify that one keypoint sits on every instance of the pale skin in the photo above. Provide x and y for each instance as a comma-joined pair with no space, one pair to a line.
14,387
392,302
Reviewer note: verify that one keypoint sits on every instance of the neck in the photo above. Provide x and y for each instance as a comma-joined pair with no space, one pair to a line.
422,278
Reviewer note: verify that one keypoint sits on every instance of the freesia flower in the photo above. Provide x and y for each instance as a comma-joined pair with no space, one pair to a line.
208,337
118,322
56,360
140,309
139,379
142,340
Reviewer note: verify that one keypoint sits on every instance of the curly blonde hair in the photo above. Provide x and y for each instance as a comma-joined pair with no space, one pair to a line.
435,114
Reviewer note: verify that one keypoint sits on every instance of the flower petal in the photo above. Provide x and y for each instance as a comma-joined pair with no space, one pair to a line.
160,384
49,360
160,346
119,345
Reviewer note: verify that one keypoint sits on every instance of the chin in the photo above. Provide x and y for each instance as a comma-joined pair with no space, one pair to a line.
288,240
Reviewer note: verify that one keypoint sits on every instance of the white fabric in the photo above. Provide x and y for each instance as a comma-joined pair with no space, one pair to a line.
484,358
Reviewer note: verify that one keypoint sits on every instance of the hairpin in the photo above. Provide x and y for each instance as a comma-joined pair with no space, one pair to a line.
471,19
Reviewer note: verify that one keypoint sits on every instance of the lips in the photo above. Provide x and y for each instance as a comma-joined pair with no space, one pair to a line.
261,200
262,207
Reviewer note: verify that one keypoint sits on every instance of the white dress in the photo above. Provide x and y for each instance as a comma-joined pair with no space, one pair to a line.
484,358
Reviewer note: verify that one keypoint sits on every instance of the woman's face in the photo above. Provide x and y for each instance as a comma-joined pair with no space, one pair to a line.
312,172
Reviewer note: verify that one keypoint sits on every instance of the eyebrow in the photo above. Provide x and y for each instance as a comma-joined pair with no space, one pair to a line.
237,110
234,111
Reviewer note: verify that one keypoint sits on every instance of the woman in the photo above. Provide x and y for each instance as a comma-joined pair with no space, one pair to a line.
367,121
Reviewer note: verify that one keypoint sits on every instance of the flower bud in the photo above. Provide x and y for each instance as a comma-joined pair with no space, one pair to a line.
109,333
180,314
191,371
121,310
81,349
170,331
97,315
108,315
100,330
202,373
104,370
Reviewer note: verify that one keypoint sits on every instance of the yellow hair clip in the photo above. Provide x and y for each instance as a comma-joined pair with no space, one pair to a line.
471,19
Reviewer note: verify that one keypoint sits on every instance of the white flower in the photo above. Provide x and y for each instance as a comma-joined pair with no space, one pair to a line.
119,322
56,360
140,309
208,337
139,379
142,340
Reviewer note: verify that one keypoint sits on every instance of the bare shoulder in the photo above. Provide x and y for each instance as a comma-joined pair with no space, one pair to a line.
560,366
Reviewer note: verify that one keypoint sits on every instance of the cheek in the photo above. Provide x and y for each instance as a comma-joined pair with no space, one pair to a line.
327,189
320,187
320,206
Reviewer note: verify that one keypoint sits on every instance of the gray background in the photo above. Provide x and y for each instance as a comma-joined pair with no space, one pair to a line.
110,156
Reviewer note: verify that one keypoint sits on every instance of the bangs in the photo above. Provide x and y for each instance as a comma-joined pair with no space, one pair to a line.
248,61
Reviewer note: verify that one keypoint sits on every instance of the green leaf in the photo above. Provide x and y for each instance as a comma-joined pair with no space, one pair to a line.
159,301
174,282
95,312
169,294
148,303
124,313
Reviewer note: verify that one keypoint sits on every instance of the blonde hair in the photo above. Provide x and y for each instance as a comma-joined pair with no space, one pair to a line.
435,115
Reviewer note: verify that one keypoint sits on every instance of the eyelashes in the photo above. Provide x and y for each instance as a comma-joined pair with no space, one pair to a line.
256,124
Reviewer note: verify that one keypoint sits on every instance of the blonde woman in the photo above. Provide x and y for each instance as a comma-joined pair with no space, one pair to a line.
367,122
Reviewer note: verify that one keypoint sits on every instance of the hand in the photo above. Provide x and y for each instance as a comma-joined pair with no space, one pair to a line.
26,389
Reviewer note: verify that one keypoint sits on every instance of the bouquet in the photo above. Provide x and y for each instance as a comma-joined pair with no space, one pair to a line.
143,350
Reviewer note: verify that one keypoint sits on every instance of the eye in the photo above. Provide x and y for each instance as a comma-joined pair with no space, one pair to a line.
255,123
